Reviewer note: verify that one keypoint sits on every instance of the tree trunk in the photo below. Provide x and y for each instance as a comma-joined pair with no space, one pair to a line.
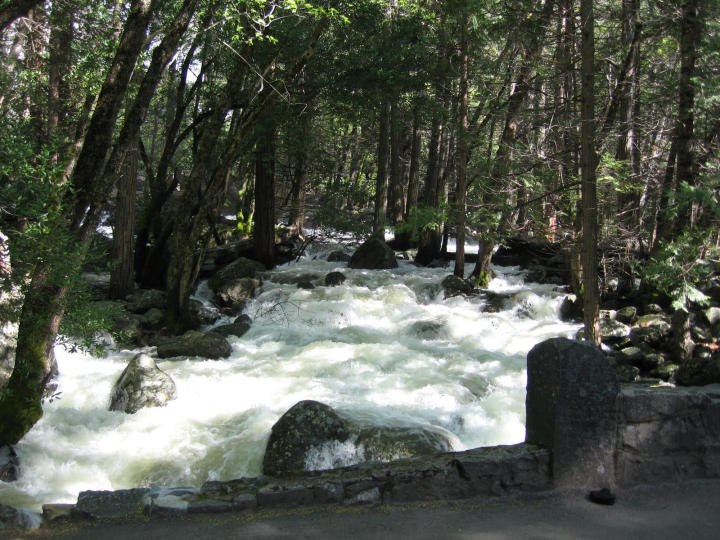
122,277
462,154
413,175
689,37
591,297
59,65
381,182
429,246
395,193
296,218
264,231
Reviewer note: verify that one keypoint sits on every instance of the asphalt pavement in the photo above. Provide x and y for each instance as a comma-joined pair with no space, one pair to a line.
688,510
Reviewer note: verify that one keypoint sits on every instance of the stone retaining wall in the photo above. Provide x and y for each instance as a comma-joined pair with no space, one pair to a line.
668,434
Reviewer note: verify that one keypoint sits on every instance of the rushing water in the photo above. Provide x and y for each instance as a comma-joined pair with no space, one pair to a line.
361,347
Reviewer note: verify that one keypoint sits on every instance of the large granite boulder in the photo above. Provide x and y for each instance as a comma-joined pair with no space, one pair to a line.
571,408
389,444
143,300
195,343
312,436
234,294
613,332
238,269
142,384
307,425
374,254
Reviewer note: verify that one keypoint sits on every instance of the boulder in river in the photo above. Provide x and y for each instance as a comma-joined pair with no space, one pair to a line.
234,293
238,269
195,343
374,254
338,256
238,327
313,436
333,279
142,384
307,425
456,286
391,443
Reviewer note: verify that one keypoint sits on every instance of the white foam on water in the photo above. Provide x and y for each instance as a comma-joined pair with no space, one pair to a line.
359,347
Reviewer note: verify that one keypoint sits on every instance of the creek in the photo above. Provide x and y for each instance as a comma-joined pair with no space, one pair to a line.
384,349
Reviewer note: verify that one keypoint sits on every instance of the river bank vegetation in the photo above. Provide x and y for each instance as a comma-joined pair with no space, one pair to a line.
187,124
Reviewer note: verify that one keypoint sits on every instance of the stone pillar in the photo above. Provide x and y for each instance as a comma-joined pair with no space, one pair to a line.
571,408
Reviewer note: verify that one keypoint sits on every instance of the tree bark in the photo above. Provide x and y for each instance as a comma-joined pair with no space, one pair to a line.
462,154
264,232
689,37
395,193
122,277
591,297
381,182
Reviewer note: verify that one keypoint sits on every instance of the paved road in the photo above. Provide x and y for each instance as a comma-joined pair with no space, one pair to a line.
676,511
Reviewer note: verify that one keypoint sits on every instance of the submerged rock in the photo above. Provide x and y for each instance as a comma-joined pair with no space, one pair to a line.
456,286
374,254
333,279
429,329
238,327
338,256
12,518
196,343
142,384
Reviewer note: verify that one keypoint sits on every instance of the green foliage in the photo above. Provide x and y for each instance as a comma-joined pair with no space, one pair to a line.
84,319
683,267
330,218
424,218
